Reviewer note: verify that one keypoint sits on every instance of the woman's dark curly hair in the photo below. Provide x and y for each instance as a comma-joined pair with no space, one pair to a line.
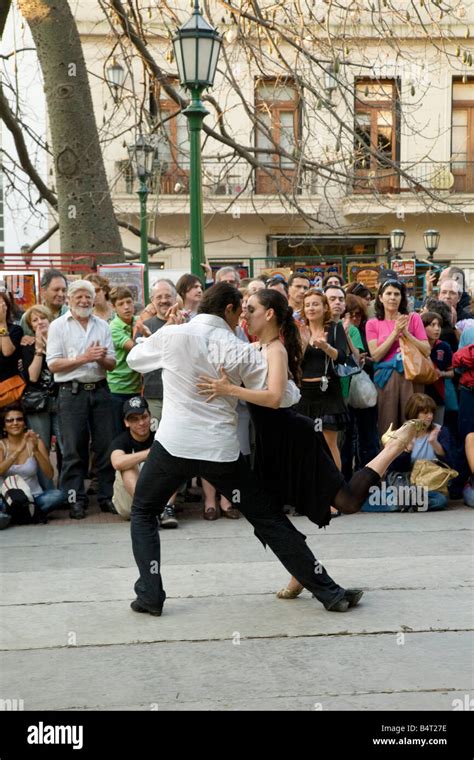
272,299
379,307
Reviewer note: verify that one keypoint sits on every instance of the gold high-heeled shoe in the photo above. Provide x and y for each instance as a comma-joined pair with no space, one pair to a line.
286,593
405,433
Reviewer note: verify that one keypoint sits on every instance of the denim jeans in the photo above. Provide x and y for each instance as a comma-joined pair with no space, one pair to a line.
46,424
468,493
436,502
163,473
49,500
82,415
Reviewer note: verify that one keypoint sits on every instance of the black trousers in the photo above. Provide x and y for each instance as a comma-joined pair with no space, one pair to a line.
161,476
84,415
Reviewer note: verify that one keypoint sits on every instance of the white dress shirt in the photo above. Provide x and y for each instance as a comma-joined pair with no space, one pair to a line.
68,339
190,427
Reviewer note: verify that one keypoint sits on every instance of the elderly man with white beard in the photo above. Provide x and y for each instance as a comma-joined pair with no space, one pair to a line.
80,352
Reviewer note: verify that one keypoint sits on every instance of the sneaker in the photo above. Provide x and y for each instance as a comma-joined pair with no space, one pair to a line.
168,517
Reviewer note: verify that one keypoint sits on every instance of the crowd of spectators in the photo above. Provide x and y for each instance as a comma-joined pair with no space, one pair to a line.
65,381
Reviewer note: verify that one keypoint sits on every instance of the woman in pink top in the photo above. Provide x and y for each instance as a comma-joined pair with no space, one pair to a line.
391,321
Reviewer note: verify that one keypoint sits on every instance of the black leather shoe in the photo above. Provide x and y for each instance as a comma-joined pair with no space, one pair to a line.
139,607
353,596
341,606
77,512
108,506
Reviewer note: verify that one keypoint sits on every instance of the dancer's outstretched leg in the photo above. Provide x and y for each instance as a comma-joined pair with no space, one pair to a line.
351,495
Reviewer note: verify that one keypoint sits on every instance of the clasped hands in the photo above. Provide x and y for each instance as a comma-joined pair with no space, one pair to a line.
401,326
95,353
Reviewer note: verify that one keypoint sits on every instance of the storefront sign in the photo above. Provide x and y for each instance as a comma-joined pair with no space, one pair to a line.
404,267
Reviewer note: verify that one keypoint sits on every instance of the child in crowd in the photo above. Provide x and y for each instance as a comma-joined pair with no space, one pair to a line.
441,356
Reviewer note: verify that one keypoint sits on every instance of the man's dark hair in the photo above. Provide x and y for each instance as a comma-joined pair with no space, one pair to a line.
334,287
185,283
277,279
216,299
298,276
332,274
49,275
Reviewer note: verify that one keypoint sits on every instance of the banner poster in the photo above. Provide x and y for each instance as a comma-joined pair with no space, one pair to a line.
404,267
23,285
126,276
365,272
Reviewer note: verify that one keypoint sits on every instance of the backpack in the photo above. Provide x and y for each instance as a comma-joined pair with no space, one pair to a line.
19,501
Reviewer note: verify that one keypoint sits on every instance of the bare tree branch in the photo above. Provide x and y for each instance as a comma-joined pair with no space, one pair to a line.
11,123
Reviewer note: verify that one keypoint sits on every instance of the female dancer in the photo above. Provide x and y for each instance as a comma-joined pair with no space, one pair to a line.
292,459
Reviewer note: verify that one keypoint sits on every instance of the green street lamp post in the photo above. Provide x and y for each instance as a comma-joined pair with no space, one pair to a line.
196,47
141,157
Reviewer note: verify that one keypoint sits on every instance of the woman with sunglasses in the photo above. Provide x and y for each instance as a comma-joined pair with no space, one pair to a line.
23,453
392,321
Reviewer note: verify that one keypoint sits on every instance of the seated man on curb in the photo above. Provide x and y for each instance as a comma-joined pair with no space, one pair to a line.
128,452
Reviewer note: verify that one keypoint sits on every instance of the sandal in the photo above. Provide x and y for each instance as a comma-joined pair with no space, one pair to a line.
405,434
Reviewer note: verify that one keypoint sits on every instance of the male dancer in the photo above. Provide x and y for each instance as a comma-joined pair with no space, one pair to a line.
196,438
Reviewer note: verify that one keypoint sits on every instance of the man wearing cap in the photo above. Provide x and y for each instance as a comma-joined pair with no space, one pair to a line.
128,452
80,352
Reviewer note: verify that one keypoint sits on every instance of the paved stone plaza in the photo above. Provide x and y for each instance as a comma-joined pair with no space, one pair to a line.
70,641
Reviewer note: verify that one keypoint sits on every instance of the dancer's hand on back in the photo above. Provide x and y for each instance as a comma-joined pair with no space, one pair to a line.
209,386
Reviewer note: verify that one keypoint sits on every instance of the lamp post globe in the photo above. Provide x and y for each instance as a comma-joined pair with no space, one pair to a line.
115,77
431,240
397,241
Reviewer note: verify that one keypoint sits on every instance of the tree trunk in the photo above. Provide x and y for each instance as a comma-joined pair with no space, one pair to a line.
86,217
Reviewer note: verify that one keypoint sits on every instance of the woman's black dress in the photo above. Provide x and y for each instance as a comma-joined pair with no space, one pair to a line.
294,463
327,406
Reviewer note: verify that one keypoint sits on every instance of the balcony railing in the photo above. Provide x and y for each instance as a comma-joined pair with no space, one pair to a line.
225,179
447,176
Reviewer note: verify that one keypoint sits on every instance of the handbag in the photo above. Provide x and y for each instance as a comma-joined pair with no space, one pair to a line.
432,474
34,400
417,367
350,366
362,393
11,390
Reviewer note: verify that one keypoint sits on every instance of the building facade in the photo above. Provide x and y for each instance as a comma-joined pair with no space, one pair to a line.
346,152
